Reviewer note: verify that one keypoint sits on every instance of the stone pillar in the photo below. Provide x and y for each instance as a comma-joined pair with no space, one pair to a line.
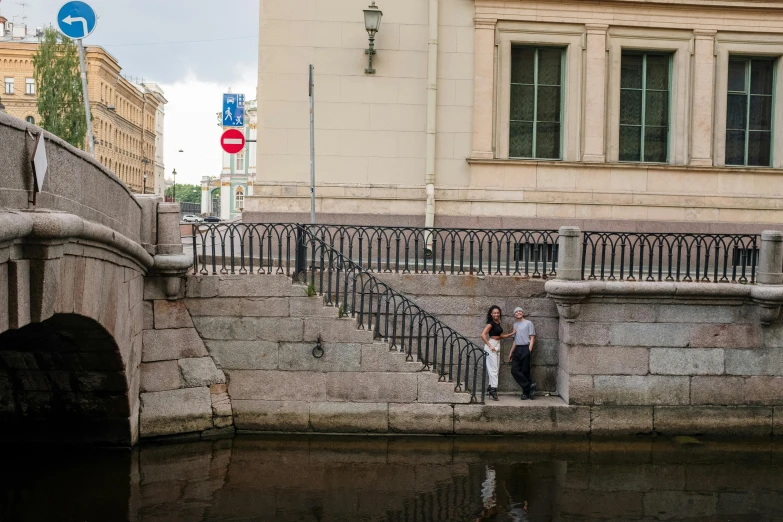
149,221
569,254
171,262
169,240
703,96
483,88
595,94
770,266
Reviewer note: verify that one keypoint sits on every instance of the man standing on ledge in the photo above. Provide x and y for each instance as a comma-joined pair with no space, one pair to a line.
521,352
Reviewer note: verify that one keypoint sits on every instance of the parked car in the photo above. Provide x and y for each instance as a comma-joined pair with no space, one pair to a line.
211,219
190,218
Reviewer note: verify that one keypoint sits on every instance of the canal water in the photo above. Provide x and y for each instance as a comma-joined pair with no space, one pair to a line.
318,478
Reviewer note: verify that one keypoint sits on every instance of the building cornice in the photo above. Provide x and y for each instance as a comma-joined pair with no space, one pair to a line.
698,4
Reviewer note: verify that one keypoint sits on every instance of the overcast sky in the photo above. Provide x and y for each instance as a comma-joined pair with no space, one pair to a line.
192,74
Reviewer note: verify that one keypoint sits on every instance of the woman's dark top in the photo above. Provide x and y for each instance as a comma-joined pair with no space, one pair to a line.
495,329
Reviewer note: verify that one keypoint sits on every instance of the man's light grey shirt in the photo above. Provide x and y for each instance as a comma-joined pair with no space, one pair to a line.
524,330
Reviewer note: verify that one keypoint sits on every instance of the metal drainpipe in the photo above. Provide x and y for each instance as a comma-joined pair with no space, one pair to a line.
432,108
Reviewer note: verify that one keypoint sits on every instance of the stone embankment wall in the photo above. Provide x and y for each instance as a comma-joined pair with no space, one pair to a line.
671,362
253,337
673,357
462,302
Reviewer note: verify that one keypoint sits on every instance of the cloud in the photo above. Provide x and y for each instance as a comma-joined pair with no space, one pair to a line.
191,124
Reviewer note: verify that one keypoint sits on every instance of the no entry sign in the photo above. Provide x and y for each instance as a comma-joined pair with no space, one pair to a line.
232,141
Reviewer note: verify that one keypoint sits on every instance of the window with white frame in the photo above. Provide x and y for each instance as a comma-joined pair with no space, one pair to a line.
535,120
749,112
241,161
9,85
29,85
239,198
30,120
644,107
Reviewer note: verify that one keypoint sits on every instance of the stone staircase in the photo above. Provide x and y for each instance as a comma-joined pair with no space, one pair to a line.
259,332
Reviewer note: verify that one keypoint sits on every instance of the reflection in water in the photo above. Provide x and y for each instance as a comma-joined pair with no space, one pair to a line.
287,478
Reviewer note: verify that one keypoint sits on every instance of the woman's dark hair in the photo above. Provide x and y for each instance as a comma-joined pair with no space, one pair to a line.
492,309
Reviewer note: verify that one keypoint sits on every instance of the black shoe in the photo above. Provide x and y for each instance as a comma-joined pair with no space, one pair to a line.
525,397
493,392
532,391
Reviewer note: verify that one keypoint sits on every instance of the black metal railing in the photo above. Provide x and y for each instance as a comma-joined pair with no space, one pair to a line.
719,258
257,246
240,248
391,316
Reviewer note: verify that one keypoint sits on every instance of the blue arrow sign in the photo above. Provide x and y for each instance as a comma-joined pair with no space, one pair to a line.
76,20
233,110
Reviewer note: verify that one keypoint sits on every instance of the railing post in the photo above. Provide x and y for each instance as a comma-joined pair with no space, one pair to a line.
569,254
300,252
770,266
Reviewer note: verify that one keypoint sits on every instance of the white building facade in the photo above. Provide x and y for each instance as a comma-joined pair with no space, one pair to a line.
523,112
237,176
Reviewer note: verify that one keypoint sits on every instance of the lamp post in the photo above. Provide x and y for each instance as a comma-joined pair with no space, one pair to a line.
174,187
372,23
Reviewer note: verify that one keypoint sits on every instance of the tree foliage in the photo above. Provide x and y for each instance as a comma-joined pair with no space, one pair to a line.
186,193
59,88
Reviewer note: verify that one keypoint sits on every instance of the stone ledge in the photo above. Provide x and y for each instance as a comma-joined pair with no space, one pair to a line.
713,420
337,417
548,415
421,418
174,412
48,224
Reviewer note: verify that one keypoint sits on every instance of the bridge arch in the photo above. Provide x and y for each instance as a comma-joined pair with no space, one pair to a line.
64,379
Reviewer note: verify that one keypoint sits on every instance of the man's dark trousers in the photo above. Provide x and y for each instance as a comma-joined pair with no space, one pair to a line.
520,367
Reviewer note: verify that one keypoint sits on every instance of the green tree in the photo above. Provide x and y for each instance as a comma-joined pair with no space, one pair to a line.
59,88
186,193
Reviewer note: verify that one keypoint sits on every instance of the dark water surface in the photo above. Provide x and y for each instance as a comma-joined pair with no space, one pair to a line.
293,478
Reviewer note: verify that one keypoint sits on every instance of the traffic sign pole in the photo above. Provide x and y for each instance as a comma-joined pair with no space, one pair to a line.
90,138
77,20
312,146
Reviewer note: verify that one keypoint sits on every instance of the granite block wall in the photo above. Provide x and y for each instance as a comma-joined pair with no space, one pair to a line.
676,364
462,301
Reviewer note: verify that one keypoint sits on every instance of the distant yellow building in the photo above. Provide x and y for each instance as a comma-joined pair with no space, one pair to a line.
127,117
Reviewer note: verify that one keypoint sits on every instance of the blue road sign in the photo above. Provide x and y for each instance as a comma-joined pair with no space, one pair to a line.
233,110
76,20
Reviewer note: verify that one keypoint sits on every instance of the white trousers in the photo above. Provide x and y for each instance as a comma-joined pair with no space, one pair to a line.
493,361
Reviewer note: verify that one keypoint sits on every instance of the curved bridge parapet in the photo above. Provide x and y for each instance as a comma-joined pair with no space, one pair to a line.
75,182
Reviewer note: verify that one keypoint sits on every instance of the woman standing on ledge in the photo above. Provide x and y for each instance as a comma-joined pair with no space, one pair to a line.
491,336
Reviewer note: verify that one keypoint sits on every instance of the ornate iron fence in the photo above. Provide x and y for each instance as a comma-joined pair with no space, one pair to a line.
719,258
247,247
392,316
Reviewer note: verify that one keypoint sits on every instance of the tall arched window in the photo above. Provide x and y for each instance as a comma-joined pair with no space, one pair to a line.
239,198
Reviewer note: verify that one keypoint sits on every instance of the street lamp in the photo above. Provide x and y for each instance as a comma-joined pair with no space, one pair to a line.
174,187
372,23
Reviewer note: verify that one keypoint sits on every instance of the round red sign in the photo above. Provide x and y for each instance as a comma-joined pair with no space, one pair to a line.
232,141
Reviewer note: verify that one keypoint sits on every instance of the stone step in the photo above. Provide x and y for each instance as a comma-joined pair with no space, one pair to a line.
376,355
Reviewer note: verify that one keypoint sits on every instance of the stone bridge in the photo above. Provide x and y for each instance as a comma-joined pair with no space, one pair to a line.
107,336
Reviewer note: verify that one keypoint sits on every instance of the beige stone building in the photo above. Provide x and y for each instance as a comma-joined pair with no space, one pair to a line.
520,112
125,115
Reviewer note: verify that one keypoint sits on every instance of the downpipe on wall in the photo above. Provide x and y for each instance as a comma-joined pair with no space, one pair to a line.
432,114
